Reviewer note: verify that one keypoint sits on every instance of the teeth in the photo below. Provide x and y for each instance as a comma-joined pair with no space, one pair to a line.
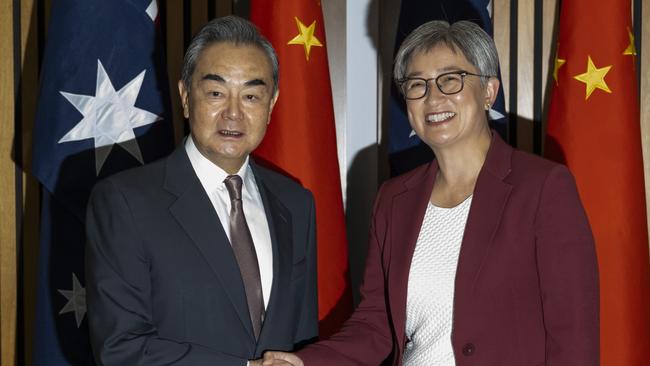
439,117
230,133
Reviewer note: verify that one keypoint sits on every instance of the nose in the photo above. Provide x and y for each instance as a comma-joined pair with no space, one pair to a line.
433,93
233,108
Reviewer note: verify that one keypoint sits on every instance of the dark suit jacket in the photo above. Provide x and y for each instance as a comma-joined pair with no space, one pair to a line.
526,288
163,285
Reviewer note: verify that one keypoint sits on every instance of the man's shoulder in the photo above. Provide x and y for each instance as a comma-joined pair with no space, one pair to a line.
143,174
144,179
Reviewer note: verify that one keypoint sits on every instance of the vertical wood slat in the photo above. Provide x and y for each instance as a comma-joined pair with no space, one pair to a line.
223,7
549,42
7,182
31,209
199,15
645,99
501,21
525,77
175,51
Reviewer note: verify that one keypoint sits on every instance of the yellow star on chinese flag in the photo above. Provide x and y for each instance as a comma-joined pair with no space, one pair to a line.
306,37
631,49
594,77
558,63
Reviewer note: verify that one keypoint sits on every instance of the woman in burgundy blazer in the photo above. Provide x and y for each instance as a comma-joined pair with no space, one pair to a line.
526,285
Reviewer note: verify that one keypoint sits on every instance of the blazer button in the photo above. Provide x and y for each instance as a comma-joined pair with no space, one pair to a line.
469,349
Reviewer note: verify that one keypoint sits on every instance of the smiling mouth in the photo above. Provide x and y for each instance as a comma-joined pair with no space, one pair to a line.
439,117
230,133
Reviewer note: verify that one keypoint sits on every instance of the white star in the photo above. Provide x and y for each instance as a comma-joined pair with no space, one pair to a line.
109,117
493,114
152,10
489,8
76,300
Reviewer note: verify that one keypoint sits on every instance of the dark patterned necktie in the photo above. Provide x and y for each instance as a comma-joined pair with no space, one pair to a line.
242,245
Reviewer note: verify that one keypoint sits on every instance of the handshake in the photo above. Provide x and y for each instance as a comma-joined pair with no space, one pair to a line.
273,358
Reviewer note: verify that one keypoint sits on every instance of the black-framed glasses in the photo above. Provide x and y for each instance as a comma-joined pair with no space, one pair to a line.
448,83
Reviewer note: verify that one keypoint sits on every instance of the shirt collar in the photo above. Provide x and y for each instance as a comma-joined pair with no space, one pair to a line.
210,174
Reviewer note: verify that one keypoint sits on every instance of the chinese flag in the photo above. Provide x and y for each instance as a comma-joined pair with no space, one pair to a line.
301,139
594,128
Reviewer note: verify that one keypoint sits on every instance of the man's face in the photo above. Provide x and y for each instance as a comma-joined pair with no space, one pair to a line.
229,102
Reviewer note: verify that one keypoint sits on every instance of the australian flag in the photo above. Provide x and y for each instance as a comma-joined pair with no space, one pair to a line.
407,151
103,106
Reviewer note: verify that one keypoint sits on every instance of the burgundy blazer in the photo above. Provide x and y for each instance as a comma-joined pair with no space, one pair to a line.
526,288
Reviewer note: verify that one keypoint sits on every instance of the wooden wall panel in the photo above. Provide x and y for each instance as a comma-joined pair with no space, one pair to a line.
8,275
550,23
501,23
30,188
525,78
175,49
222,8
199,15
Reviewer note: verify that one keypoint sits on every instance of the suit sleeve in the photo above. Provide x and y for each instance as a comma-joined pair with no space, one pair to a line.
568,272
307,328
365,338
122,331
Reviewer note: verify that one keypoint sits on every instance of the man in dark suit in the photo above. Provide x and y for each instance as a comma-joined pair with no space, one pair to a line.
205,258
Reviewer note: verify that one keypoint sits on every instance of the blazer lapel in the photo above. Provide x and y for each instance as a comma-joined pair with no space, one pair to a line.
279,220
490,196
194,212
406,218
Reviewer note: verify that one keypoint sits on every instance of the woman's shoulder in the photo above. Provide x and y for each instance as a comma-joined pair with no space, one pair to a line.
527,167
529,161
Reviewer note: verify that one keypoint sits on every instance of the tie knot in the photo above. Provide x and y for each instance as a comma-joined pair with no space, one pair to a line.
233,184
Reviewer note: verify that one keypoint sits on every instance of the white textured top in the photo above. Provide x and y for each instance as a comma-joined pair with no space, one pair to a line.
430,297
212,177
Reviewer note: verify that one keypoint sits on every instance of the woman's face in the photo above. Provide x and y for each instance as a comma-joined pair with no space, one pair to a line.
441,120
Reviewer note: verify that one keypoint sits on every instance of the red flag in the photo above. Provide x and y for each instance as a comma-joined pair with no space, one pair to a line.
594,127
301,139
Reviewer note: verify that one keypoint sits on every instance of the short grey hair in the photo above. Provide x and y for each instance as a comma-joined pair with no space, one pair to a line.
228,29
465,36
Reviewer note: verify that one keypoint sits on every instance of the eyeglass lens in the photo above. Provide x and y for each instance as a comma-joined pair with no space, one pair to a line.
450,83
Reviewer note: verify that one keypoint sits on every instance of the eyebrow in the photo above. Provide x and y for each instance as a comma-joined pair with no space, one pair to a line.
441,71
218,78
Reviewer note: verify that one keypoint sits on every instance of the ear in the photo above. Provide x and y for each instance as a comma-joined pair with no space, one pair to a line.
272,104
491,91
185,94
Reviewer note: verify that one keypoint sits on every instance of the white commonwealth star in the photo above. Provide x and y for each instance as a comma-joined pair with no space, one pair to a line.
76,300
109,117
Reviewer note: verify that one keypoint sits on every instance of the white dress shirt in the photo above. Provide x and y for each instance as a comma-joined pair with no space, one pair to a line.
212,177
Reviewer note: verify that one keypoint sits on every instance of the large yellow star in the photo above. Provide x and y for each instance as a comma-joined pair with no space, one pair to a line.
594,77
306,37
558,63
631,49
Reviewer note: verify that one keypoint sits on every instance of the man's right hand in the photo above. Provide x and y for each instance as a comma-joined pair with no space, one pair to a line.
273,358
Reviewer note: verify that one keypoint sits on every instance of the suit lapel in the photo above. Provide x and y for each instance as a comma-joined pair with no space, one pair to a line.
490,196
279,220
406,218
195,214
